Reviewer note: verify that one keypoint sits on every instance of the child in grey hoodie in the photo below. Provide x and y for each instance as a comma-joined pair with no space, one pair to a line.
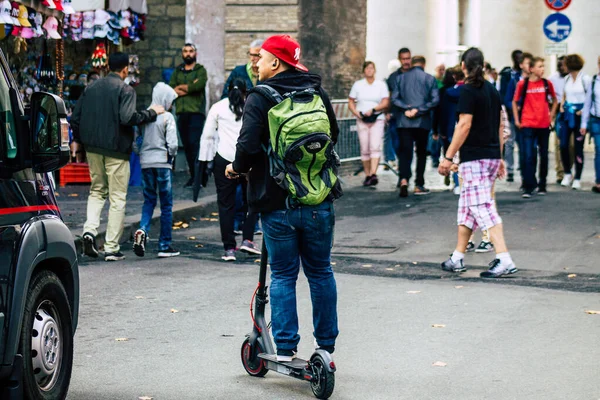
157,150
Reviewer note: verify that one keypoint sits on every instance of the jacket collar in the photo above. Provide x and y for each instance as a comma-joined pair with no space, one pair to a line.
182,67
114,75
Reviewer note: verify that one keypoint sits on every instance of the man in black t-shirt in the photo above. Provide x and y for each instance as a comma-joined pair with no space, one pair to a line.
479,136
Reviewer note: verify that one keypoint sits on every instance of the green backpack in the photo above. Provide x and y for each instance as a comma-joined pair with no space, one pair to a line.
301,156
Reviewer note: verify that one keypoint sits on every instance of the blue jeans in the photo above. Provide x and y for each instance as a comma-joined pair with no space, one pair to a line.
594,128
565,138
391,142
532,140
509,149
160,179
304,233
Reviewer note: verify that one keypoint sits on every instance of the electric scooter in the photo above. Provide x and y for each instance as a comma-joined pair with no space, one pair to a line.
259,356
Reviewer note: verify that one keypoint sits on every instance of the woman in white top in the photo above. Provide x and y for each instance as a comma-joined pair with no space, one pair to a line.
576,84
218,143
368,101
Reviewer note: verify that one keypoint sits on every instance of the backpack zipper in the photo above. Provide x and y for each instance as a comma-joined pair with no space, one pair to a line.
312,163
288,120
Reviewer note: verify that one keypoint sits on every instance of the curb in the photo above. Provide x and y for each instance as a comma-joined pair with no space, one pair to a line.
181,211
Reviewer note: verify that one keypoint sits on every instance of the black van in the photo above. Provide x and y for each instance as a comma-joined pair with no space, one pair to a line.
39,279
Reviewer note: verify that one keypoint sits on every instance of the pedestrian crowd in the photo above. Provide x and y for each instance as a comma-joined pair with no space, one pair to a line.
106,122
269,142
420,117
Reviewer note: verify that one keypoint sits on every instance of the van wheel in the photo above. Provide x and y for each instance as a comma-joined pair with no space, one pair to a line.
46,339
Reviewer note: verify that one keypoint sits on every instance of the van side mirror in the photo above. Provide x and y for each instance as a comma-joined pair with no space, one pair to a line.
49,132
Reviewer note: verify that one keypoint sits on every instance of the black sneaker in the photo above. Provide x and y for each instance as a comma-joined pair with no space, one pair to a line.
527,194
403,190
542,191
189,183
510,178
374,180
139,243
367,181
118,256
168,252
450,266
329,349
484,247
470,247
89,245
596,189
249,247
497,269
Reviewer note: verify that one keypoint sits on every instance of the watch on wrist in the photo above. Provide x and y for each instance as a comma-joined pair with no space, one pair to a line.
448,159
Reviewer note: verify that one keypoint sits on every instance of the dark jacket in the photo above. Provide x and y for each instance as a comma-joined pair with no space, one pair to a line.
104,117
415,89
445,117
239,72
264,194
195,101
391,81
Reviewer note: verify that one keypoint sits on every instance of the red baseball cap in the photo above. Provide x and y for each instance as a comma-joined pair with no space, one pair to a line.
286,49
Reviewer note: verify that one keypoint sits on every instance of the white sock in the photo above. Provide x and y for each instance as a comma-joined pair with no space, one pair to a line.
457,256
504,258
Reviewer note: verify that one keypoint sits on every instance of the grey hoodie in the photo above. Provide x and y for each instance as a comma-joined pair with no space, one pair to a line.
159,144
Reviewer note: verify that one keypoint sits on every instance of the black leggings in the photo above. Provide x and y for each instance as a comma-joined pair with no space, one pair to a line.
226,200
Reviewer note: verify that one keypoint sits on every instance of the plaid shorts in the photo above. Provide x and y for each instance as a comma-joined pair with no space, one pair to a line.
476,206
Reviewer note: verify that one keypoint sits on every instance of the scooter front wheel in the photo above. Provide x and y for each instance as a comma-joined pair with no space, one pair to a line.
253,365
324,381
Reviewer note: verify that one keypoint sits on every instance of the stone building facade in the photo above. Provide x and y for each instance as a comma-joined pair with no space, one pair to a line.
332,35
161,49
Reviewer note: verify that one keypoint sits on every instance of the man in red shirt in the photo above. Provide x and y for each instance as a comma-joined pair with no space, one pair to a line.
532,113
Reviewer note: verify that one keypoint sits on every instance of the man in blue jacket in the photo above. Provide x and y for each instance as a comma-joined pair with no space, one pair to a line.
248,72
414,96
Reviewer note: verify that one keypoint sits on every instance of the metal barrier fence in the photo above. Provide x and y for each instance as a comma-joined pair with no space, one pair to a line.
347,147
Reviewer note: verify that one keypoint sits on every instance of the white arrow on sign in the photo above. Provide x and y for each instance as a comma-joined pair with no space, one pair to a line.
554,27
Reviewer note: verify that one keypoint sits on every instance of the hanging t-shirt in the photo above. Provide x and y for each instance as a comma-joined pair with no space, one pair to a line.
536,110
87,5
369,95
483,103
138,6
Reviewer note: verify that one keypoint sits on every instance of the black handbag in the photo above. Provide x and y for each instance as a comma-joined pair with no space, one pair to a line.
370,119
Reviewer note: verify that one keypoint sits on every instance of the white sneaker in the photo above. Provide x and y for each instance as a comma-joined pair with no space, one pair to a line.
576,184
456,190
566,182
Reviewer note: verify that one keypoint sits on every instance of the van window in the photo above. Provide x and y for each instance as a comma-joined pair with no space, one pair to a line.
8,130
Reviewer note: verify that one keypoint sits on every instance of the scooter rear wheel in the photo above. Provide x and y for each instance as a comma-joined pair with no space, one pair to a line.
324,381
253,365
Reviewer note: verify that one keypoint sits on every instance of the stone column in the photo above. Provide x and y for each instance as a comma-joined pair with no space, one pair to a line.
205,27
333,39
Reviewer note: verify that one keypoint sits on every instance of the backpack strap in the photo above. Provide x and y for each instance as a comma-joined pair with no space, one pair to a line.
593,94
271,94
523,96
547,90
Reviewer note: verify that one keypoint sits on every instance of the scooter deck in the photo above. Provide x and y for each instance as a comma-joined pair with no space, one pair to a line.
296,363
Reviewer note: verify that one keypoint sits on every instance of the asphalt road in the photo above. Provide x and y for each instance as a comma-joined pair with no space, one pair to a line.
507,339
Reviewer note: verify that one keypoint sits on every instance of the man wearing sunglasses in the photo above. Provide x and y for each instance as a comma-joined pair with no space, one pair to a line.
247,72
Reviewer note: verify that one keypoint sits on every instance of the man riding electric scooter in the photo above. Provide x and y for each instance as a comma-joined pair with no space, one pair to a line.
286,149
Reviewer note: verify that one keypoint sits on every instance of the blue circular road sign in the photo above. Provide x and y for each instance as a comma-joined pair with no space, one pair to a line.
557,27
